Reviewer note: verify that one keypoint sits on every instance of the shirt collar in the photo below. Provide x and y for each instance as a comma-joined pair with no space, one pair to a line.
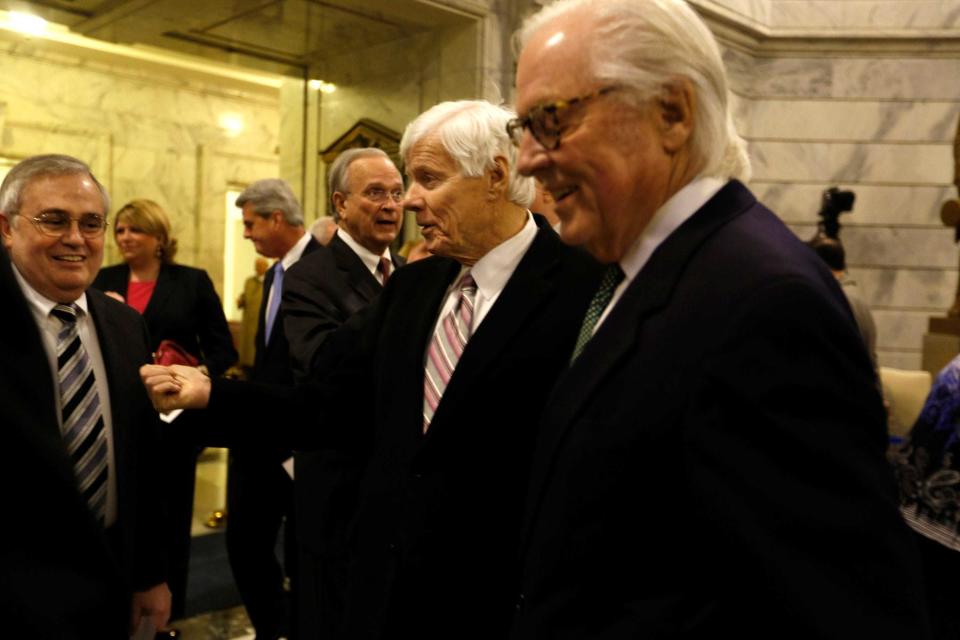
369,258
290,258
492,271
673,213
39,303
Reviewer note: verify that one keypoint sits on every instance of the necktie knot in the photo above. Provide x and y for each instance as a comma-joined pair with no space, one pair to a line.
384,267
467,285
65,313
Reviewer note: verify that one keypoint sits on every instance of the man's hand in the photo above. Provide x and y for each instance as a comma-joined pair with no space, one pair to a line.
153,603
175,387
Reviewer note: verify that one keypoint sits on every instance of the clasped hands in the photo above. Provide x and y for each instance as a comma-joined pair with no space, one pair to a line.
175,387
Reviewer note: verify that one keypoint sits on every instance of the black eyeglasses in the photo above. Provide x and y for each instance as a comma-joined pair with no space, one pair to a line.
543,121
57,223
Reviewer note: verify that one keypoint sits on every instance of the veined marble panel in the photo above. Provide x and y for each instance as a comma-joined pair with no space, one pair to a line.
875,204
931,289
893,247
841,120
909,164
749,11
864,14
901,330
876,78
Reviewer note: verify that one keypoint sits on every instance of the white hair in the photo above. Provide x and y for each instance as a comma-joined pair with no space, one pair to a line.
474,133
645,45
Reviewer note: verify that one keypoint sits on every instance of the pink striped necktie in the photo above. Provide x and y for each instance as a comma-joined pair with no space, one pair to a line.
447,346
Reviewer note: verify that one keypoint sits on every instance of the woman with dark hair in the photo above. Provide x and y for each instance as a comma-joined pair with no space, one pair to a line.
179,304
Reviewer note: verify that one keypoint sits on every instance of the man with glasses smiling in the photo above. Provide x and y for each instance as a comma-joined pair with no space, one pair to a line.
321,292
52,223
712,462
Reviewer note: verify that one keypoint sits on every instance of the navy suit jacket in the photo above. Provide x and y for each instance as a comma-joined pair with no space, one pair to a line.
435,539
59,577
713,463
321,292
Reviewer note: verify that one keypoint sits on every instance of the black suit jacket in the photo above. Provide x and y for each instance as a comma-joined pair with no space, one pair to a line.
435,544
184,308
272,362
58,576
713,463
320,292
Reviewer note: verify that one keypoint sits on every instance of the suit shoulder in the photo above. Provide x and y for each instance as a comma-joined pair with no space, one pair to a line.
100,301
320,258
109,278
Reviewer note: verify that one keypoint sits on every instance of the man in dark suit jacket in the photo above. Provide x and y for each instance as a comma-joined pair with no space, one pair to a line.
320,293
712,462
434,542
89,564
259,488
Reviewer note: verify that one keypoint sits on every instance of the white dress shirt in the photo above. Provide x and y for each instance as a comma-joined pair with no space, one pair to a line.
40,307
369,258
673,213
491,273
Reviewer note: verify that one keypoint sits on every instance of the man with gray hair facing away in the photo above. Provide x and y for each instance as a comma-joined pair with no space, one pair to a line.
259,489
439,390
712,463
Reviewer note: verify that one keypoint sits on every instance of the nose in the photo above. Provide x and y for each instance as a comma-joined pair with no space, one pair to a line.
412,200
72,234
531,155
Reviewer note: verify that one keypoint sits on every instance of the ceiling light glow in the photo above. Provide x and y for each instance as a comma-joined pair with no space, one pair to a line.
27,23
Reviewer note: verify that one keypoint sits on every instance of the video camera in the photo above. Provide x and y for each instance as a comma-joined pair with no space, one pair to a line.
832,204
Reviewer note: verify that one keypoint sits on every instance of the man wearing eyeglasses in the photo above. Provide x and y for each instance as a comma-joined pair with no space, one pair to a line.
321,292
98,427
712,462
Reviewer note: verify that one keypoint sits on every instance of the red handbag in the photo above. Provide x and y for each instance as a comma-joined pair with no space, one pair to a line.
169,352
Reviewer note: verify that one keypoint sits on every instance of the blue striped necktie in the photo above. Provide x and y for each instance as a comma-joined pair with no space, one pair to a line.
276,288
83,428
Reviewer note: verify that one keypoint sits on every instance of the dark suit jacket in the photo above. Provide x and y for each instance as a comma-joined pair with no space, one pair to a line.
272,362
58,577
184,308
434,552
713,463
320,292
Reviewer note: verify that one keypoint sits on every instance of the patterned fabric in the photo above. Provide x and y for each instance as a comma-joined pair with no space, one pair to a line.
449,341
277,288
384,269
928,465
83,428
612,277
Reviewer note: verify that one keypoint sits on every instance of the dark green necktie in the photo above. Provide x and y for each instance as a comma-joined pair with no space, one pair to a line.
608,284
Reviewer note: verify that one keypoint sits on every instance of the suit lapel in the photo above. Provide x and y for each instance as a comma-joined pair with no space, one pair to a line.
617,337
525,291
355,272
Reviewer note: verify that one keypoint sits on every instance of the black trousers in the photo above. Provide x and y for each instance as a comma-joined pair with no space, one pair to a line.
259,502
941,576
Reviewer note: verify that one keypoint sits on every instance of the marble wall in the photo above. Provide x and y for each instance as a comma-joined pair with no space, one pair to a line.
148,131
827,109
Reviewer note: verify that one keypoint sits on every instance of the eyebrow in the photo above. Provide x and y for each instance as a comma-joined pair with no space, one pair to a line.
67,213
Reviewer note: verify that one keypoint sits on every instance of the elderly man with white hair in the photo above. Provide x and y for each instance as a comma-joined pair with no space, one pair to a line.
438,386
712,463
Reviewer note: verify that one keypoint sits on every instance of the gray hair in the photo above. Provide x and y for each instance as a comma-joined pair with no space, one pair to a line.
269,195
644,45
11,191
474,133
339,175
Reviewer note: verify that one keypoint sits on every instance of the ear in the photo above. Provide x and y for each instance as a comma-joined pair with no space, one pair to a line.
338,200
276,216
675,109
6,230
498,177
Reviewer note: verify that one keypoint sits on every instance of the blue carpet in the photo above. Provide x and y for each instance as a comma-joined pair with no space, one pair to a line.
210,583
